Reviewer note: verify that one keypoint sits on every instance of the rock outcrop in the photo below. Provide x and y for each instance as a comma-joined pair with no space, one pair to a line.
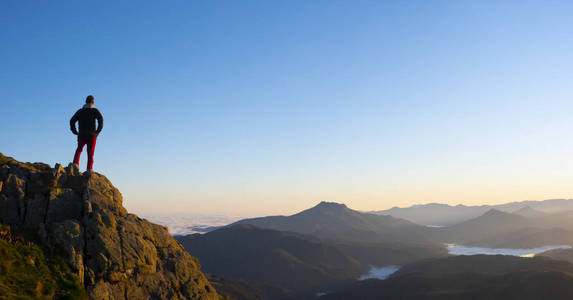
116,255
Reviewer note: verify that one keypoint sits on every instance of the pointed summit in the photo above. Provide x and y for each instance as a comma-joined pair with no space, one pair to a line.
337,221
495,213
330,205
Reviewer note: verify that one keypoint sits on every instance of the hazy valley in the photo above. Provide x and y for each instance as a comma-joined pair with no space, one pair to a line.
379,247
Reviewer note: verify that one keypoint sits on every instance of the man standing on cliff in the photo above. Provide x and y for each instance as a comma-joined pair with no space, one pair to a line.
87,117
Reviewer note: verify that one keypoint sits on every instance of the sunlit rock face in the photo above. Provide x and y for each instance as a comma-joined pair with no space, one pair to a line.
116,255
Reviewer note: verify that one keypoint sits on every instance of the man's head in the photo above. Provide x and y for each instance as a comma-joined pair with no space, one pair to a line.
90,99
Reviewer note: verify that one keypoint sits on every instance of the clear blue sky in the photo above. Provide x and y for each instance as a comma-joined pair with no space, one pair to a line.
259,107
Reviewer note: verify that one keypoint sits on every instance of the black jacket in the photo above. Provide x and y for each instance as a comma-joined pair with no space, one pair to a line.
87,118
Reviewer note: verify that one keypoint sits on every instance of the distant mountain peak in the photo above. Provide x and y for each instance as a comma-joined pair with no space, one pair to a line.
495,212
330,205
337,221
448,215
529,212
525,208
493,216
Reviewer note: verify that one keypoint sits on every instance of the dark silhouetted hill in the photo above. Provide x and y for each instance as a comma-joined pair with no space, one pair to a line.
559,254
382,254
282,259
287,264
469,277
493,264
239,289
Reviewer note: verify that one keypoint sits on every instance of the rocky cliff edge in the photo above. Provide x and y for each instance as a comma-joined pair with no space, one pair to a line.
116,255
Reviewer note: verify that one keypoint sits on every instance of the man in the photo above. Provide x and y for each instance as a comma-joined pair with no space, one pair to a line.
87,117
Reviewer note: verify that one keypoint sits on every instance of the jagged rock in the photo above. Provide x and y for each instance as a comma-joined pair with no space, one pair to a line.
69,236
72,169
12,195
36,203
116,255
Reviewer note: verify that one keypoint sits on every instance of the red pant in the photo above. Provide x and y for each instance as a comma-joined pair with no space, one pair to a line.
91,142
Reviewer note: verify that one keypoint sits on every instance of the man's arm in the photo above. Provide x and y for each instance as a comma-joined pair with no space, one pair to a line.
99,118
73,121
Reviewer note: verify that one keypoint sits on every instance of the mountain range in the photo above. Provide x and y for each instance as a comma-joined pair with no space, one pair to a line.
304,264
373,240
499,229
336,221
436,214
